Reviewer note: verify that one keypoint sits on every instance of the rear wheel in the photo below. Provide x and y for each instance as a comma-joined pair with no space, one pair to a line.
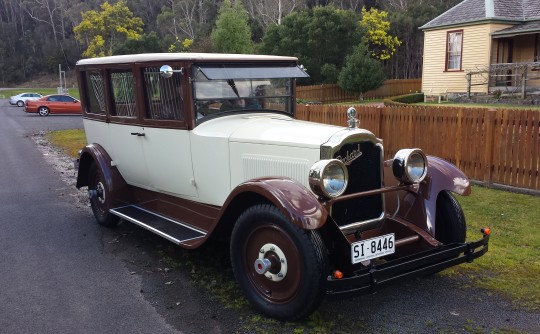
99,197
450,220
280,267
43,111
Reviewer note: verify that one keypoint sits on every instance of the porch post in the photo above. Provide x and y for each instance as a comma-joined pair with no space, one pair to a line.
469,85
524,81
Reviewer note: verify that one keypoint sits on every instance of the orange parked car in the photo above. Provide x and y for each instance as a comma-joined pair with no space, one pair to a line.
54,104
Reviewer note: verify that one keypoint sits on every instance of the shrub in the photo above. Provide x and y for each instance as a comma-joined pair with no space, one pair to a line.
405,99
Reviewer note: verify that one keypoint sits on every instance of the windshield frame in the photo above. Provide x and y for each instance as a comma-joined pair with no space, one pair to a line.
226,89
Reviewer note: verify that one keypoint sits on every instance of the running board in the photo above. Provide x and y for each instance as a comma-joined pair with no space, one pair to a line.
169,229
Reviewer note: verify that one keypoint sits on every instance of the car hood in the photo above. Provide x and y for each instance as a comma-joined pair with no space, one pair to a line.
269,129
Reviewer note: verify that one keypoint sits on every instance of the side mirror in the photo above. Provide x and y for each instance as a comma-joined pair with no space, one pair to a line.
167,71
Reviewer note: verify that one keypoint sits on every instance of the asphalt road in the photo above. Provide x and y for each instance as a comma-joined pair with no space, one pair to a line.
62,273
54,274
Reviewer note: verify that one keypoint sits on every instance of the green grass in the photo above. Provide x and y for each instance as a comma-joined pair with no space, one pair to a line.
477,105
43,91
70,141
512,264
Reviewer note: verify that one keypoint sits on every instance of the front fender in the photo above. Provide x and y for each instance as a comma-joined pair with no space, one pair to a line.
420,207
294,200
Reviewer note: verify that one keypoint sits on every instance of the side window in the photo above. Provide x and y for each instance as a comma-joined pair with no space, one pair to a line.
94,93
123,93
454,48
163,96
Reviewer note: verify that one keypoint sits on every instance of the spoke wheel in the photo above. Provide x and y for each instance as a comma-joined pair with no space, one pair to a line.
20,103
43,111
281,267
99,197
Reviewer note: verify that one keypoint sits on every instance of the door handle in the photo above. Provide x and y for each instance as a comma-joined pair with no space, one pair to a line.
139,134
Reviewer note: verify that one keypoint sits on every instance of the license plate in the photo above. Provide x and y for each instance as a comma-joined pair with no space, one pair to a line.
373,248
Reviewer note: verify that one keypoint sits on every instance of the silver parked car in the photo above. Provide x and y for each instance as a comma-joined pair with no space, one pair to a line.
20,99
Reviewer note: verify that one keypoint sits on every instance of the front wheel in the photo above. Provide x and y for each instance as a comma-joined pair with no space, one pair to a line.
20,103
43,111
450,221
100,197
280,267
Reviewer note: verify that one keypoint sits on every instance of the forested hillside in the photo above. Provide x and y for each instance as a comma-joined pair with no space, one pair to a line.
37,35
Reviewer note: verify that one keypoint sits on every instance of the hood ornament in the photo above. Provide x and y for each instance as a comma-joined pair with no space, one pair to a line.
352,122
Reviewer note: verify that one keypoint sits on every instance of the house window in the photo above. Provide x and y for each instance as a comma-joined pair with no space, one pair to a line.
454,48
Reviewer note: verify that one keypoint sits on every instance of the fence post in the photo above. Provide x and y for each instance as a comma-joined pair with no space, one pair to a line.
458,137
489,118
380,110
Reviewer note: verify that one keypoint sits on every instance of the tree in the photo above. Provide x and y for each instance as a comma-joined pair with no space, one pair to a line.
147,43
319,38
361,73
101,31
232,33
271,11
381,44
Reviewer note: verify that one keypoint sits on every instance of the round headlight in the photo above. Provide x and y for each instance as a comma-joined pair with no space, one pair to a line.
328,178
410,165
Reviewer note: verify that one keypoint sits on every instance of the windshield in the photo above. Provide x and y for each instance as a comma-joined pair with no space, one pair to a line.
224,90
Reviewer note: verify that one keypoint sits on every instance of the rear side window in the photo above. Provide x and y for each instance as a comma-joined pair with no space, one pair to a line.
163,96
123,93
95,96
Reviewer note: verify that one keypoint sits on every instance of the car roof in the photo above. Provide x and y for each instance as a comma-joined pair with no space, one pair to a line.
152,57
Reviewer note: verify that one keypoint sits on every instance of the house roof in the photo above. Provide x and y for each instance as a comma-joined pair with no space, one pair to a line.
473,11
532,27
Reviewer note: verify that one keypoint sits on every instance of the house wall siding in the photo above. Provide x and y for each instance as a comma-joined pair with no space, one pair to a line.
475,54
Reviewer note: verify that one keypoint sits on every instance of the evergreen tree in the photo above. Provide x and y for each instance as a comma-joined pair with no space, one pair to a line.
361,73
232,33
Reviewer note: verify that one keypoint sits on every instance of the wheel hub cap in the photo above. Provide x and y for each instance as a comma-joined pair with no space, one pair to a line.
271,263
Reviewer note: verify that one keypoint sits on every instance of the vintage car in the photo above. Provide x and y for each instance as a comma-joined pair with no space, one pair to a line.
191,146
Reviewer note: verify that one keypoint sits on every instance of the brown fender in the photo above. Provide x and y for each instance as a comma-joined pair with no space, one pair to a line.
296,202
421,206
113,180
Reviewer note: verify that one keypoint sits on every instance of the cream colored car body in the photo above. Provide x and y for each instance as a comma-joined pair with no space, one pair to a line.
207,163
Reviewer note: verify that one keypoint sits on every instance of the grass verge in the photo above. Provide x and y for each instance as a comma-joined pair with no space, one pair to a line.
70,141
512,264
478,105
43,91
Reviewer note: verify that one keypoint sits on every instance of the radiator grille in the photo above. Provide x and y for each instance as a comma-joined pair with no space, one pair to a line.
364,174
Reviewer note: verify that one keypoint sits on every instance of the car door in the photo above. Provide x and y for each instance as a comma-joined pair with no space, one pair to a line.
166,141
53,103
125,131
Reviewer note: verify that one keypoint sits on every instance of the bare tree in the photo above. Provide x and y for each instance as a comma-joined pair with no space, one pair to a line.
47,12
271,11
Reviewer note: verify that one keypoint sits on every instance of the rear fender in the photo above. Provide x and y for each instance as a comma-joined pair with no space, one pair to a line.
420,207
113,180
294,200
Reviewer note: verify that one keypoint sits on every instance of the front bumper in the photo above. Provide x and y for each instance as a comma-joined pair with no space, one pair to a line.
376,277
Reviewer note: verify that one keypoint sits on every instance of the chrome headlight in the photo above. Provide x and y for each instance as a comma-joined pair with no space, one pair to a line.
328,178
410,165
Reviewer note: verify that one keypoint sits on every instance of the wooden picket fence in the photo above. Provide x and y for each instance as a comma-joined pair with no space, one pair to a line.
500,147
331,93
